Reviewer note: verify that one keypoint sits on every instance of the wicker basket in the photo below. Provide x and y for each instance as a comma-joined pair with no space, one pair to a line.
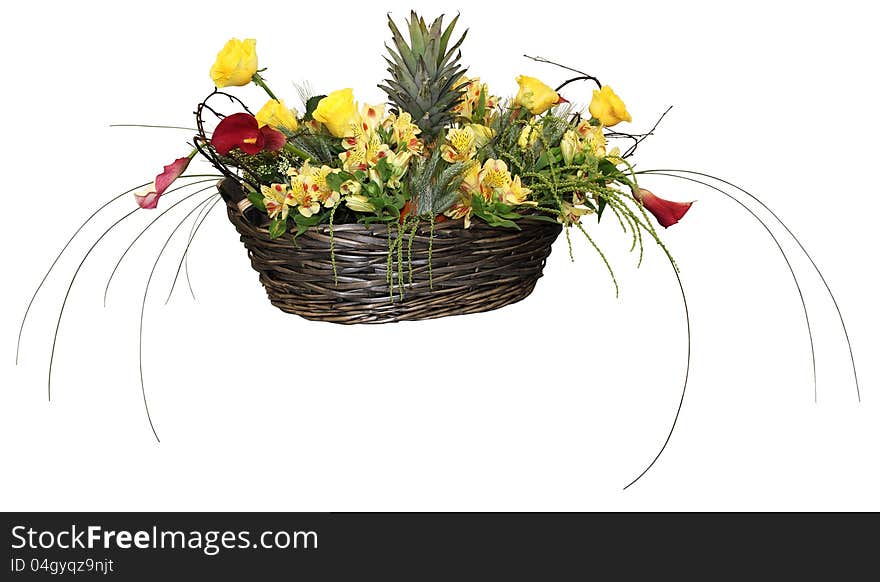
470,270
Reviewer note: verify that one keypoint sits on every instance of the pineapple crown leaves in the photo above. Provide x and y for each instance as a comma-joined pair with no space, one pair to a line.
424,72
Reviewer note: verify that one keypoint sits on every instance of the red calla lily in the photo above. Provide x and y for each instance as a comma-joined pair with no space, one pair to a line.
666,212
148,197
242,131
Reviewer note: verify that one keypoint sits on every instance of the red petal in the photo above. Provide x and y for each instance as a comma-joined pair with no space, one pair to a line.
147,197
273,139
170,173
233,130
666,212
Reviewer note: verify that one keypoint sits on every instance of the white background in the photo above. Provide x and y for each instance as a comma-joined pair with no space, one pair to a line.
552,404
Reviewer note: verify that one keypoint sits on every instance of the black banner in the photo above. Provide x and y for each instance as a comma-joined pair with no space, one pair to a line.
413,546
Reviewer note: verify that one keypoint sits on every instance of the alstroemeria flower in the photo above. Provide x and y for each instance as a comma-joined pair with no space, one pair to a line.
148,197
243,131
666,212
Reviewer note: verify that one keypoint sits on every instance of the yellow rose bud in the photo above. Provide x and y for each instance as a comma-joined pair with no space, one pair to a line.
569,146
527,137
359,203
236,64
535,95
338,112
277,116
608,108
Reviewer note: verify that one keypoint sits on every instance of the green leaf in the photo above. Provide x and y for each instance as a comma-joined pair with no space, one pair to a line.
543,218
384,169
311,105
335,180
277,227
496,221
303,223
257,200
373,189
480,112
307,221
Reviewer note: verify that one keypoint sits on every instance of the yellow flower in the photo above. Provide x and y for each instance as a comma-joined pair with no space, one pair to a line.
277,199
315,180
399,164
371,116
470,187
608,108
470,184
515,193
460,146
363,152
236,64
571,213
403,132
482,134
594,137
470,99
570,145
359,203
535,95
494,177
461,209
528,136
277,116
304,193
349,187
338,112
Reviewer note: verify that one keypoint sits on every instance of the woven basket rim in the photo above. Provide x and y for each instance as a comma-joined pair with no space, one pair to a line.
382,227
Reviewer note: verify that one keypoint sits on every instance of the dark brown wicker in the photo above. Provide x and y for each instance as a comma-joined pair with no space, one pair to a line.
471,270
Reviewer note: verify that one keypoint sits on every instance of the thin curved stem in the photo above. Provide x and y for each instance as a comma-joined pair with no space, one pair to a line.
143,309
153,126
580,78
785,258
638,139
687,371
67,294
803,250
58,257
70,286
150,224
197,224
192,235
549,62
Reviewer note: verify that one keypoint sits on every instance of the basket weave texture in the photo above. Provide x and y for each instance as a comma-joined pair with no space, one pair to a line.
470,270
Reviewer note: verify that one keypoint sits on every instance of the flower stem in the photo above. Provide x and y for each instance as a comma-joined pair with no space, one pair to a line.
258,80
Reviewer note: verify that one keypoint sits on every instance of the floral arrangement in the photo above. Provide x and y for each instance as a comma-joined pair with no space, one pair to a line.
444,147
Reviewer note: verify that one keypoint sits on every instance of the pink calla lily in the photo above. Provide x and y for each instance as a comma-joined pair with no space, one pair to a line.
666,212
242,131
148,197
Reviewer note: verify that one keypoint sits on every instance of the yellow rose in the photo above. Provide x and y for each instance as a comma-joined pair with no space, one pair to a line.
236,64
608,108
535,95
338,112
277,116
